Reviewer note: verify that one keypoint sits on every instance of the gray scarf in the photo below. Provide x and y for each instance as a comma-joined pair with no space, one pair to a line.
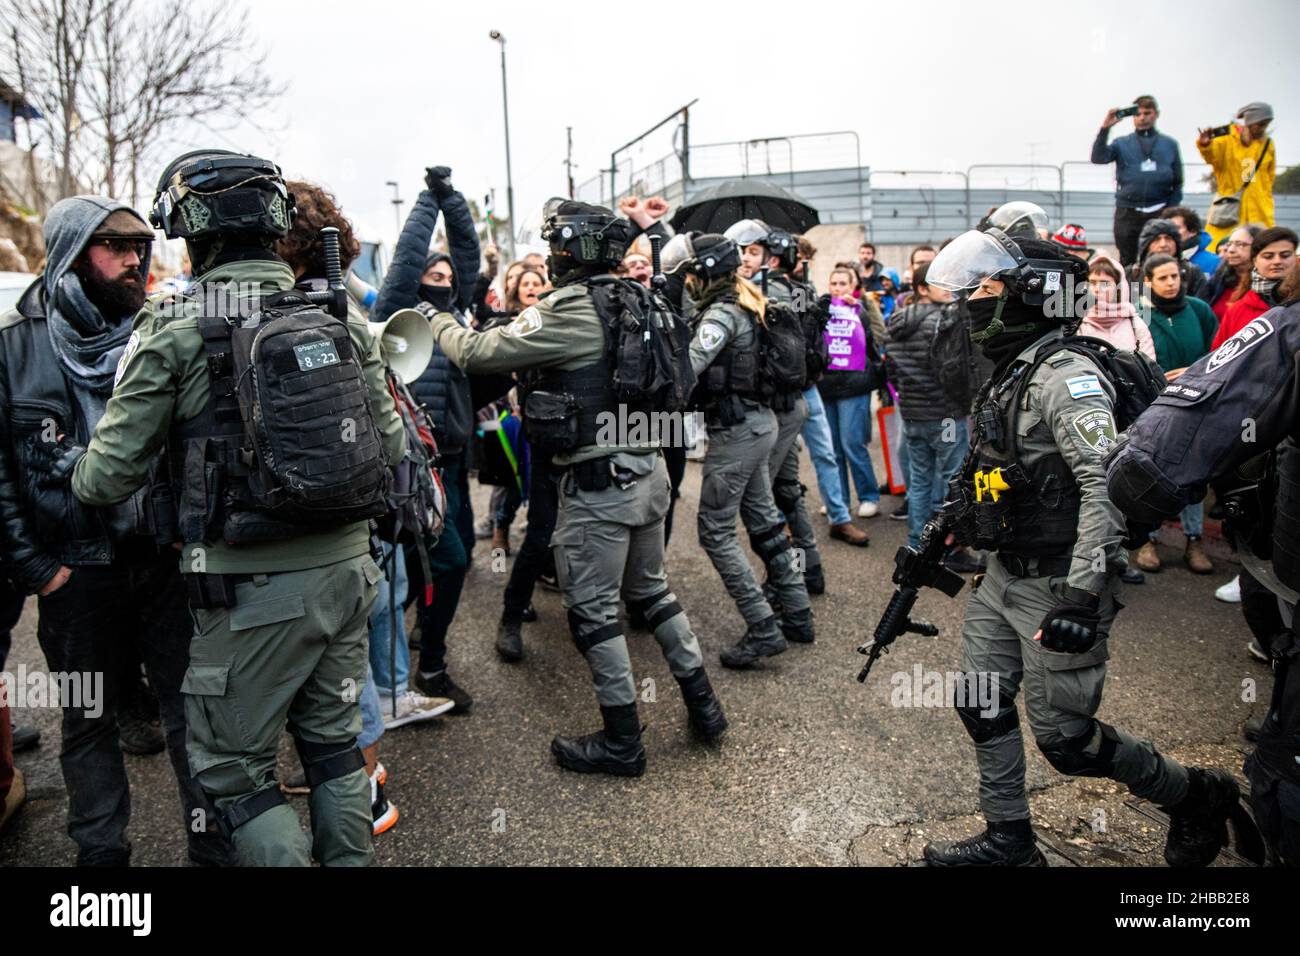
87,345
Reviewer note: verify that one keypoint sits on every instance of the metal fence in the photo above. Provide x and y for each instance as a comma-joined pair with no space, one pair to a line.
898,206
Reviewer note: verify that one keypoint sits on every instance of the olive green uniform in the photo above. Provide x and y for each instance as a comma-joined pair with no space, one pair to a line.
1065,409
605,540
294,646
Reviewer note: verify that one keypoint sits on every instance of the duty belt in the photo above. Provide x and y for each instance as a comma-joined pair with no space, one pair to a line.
1025,567
209,591
598,474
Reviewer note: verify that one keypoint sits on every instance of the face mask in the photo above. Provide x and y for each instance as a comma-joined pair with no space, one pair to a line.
438,296
981,311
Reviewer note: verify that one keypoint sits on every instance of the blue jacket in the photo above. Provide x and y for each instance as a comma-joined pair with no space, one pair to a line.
1136,189
443,388
1203,258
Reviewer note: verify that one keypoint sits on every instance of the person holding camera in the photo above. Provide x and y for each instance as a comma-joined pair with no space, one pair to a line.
1245,165
1148,171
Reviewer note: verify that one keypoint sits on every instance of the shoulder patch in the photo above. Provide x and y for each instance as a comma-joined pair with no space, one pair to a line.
1096,426
525,324
1082,386
1250,335
132,344
712,335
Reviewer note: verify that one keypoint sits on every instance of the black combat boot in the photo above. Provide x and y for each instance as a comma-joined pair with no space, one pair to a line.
703,708
763,639
616,749
510,639
1198,824
798,628
814,579
1004,843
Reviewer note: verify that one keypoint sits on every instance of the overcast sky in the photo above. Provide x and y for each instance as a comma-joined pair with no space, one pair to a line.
380,89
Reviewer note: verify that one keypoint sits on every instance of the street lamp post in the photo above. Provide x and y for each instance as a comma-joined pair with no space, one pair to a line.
505,109
397,205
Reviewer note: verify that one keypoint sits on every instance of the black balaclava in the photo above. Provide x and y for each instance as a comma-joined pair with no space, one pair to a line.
1014,324
441,297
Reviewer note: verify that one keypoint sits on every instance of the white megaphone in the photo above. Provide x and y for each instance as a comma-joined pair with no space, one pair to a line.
406,343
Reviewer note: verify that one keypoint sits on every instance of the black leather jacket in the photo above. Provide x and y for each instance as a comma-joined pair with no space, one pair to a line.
43,528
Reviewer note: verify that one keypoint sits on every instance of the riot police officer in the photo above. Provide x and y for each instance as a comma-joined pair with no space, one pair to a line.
280,600
613,494
726,356
1034,494
1210,425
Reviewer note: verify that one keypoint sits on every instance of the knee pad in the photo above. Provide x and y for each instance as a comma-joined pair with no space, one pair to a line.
586,642
326,762
1070,755
642,606
983,729
787,495
247,808
770,543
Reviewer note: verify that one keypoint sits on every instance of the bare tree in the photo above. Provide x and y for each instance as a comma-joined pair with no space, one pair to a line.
144,72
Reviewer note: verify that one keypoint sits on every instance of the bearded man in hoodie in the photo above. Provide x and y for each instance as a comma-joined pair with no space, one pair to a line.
106,587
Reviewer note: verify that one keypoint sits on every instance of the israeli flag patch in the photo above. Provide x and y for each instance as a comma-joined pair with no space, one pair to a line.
1082,386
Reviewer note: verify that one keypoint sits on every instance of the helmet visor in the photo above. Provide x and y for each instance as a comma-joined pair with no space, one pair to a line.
747,232
676,253
967,261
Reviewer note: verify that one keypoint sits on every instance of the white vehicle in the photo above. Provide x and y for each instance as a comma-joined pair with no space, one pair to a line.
12,286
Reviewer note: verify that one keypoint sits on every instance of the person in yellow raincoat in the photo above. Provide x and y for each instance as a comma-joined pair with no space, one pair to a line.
1246,156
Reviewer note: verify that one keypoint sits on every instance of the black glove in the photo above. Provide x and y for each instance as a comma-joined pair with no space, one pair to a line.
54,461
1071,626
438,179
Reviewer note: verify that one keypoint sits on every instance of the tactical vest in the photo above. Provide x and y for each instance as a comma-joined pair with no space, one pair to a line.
1038,517
285,442
735,370
564,410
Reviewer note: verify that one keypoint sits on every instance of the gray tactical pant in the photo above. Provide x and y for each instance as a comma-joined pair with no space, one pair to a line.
293,649
786,487
611,540
736,479
1061,692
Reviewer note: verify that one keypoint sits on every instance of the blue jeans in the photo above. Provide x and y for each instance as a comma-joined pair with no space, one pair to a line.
372,719
1193,519
821,448
850,421
933,460
381,670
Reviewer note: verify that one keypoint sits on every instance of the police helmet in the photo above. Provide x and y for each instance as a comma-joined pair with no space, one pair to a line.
747,232
212,192
589,235
1032,268
707,255
1018,218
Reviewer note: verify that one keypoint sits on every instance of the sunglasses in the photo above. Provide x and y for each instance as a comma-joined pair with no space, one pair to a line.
123,247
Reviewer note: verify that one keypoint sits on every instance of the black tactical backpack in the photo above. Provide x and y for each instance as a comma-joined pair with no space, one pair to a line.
647,345
782,350
313,450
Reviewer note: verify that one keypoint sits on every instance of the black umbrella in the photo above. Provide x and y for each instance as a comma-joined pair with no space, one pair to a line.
725,204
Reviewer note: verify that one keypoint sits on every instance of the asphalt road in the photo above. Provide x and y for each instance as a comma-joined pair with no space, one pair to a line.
816,768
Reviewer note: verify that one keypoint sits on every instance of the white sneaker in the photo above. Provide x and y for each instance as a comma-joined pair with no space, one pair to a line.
823,510
1230,593
411,707
383,812
868,509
